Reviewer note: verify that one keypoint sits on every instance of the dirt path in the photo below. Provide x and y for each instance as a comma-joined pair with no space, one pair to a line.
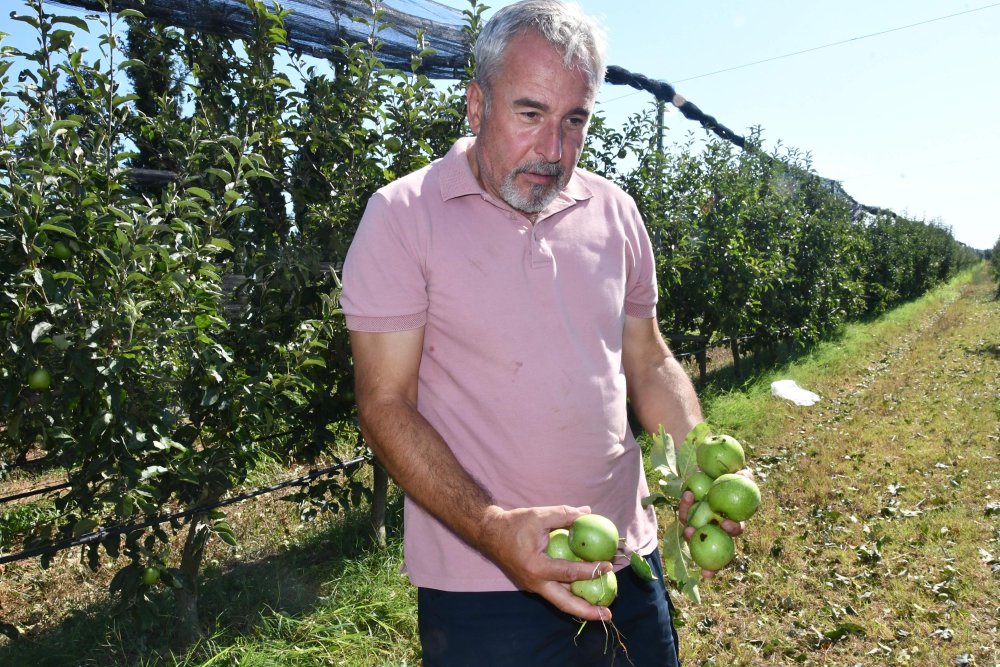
879,544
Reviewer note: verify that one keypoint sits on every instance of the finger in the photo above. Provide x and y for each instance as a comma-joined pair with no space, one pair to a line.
561,516
687,500
565,600
734,528
568,571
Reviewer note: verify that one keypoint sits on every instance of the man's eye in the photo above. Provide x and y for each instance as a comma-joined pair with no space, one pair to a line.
529,115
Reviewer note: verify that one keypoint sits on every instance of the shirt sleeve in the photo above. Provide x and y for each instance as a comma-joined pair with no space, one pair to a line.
384,283
640,289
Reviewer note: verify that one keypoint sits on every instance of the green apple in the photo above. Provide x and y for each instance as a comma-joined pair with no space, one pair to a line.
720,454
558,546
698,484
150,576
712,548
593,537
600,591
702,514
39,379
61,250
734,496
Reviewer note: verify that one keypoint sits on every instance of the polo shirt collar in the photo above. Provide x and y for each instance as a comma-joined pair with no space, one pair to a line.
457,180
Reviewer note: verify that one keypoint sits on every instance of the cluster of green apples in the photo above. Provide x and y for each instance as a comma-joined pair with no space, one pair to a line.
592,538
719,494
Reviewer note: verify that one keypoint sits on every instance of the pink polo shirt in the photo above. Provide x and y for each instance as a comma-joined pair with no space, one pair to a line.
521,371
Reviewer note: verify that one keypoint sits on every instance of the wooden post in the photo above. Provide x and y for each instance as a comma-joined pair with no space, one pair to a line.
702,357
734,345
701,354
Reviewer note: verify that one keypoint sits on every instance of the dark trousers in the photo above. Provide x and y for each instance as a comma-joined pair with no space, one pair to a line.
523,630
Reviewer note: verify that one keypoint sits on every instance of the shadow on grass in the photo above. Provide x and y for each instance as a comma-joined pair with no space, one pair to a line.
988,350
755,365
233,599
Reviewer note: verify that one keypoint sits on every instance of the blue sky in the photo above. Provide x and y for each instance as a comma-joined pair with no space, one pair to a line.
908,119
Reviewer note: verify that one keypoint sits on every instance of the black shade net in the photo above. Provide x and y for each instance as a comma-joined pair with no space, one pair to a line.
314,27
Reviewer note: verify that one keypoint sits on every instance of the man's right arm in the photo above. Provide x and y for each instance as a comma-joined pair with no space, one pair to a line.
422,463
385,366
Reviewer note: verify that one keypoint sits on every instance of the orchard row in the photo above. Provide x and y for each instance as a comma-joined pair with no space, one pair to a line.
173,209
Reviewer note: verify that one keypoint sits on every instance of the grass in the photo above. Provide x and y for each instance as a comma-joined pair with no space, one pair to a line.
366,615
875,545
17,519
878,542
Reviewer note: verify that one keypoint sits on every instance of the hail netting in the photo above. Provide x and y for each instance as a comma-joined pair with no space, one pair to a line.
315,26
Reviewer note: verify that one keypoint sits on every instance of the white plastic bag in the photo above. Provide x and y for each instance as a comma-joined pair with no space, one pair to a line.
790,390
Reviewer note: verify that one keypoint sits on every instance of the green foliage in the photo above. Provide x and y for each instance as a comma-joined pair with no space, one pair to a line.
751,243
16,520
995,262
190,324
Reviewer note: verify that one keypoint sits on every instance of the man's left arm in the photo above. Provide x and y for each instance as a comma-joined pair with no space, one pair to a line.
661,392
659,389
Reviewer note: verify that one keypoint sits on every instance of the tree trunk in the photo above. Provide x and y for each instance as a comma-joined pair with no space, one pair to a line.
702,357
734,345
188,625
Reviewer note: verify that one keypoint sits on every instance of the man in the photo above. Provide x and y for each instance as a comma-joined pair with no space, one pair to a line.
502,307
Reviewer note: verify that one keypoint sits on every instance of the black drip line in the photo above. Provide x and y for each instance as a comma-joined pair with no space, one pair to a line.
66,485
123,529
34,492
719,343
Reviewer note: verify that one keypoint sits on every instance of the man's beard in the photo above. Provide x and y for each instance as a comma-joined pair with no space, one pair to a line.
538,196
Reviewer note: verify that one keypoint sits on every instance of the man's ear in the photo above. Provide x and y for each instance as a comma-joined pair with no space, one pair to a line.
475,106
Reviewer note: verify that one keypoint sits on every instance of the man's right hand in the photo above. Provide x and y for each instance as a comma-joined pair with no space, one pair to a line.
734,528
386,370
516,539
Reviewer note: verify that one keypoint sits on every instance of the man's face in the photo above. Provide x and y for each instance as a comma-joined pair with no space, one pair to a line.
530,141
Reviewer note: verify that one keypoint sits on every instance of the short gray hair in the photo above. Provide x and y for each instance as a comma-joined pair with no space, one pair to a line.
564,25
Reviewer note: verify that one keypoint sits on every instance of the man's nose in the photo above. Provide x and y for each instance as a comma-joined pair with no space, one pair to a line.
550,142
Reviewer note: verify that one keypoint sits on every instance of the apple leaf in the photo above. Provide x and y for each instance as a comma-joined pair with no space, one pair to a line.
687,460
662,454
640,567
672,487
678,565
690,589
676,553
673,542
700,431
655,499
